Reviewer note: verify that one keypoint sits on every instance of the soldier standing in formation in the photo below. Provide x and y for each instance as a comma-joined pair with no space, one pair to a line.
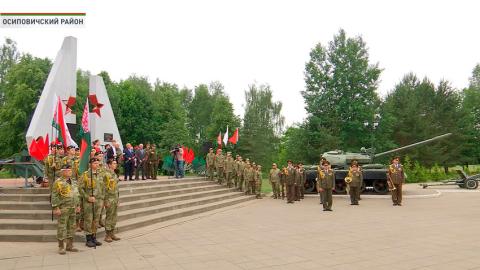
274,178
290,174
319,168
220,165
298,180
258,182
91,188
303,179
153,161
356,180
229,163
396,176
65,203
146,165
249,179
326,181
240,175
282,182
111,200
210,162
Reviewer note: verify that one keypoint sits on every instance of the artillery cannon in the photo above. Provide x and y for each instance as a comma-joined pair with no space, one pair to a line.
374,175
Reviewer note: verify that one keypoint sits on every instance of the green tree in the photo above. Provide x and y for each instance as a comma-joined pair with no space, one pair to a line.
9,55
340,95
200,111
23,85
262,126
171,117
133,108
416,110
471,109
292,145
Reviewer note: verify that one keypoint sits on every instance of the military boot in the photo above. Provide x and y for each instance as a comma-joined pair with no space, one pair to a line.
90,242
95,241
70,245
61,247
113,236
108,237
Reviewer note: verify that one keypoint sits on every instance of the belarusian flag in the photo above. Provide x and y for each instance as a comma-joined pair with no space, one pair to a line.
234,138
86,145
59,124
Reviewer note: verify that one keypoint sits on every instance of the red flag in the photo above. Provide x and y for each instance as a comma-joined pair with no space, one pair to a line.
42,146
190,156
219,140
185,152
34,151
46,149
234,138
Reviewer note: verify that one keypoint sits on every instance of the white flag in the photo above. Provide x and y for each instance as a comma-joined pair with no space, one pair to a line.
225,137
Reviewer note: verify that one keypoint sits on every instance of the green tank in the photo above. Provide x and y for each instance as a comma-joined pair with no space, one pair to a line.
374,175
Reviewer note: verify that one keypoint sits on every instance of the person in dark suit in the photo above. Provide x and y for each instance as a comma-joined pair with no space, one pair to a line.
129,159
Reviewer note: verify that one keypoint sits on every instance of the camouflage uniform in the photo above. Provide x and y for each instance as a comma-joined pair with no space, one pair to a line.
210,161
152,163
73,162
111,204
220,164
240,176
258,182
65,196
91,184
274,178
51,170
229,163
248,175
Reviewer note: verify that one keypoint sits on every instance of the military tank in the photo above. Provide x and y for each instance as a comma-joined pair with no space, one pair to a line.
374,175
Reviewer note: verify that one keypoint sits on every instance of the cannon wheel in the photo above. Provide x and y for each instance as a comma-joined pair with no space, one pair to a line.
340,187
471,184
380,186
310,186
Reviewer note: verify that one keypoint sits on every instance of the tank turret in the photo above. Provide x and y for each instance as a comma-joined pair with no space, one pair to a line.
374,175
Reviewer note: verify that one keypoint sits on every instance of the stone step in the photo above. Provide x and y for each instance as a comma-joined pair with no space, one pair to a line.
25,197
24,191
123,184
16,235
141,212
125,192
26,214
167,192
191,193
152,188
169,199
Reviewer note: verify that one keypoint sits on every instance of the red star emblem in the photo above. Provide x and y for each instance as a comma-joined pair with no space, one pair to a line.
69,104
96,105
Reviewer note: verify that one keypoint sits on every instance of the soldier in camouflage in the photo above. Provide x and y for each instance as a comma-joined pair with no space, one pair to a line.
220,164
111,200
65,203
91,187
229,163
210,162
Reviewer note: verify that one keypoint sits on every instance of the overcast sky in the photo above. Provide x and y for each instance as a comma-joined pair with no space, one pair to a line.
241,42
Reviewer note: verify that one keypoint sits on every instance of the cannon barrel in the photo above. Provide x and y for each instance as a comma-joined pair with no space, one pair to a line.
413,145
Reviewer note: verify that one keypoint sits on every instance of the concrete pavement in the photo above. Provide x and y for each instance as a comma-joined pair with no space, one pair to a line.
436,232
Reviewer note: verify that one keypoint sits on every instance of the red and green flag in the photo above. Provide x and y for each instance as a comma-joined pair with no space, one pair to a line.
60,125
86,145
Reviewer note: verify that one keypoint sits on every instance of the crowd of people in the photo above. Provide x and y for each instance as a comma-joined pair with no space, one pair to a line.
81,200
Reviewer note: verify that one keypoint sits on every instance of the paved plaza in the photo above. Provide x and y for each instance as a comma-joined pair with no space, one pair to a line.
435,229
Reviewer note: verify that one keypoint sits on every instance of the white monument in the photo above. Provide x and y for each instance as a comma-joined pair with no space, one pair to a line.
62,82
102,121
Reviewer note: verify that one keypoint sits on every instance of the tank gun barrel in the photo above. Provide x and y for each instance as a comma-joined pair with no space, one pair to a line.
413,145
